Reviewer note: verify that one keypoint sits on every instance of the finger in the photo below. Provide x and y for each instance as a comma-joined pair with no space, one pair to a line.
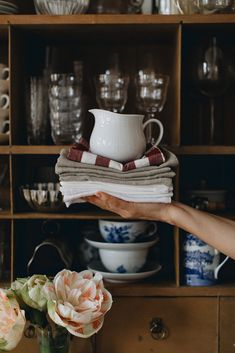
94,200
115,204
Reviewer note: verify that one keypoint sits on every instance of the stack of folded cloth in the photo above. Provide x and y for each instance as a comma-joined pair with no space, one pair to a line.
148,179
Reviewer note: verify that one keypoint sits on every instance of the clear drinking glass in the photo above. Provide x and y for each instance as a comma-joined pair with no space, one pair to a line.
112,91
211,6
37,111
151,91
211,78
66,108
116,6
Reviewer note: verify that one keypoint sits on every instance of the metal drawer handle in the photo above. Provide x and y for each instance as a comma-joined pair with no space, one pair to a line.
158,330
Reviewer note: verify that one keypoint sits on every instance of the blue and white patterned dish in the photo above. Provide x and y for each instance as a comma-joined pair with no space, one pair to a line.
148,270
99,243
126,231
123,258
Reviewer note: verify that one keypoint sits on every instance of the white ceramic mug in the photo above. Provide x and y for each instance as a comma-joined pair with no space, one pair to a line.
120,136
4,101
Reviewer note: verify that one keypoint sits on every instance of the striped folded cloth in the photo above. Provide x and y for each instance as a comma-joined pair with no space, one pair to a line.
79,152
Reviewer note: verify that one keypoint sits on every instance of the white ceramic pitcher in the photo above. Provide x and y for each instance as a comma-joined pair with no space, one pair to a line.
120,136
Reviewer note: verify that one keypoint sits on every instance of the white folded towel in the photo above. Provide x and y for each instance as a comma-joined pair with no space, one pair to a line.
74,191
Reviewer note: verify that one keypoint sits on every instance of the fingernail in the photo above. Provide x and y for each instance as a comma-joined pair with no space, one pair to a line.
99,195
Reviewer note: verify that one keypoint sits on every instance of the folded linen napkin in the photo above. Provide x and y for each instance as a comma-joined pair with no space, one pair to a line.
74,171
74,191
79,152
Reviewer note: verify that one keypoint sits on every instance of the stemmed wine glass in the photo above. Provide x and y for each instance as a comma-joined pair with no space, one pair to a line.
111,91
151,91
112,87
211,79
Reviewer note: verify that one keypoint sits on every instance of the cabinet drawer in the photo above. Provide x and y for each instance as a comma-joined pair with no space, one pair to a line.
191,324
227,325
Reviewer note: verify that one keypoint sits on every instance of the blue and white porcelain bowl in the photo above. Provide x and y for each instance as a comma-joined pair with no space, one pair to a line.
123,258
126,231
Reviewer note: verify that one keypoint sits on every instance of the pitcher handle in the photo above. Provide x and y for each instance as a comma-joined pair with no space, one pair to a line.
216,271
158,122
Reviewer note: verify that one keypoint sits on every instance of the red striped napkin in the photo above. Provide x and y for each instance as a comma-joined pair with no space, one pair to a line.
79,152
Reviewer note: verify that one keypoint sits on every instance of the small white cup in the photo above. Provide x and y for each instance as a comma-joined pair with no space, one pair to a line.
4,101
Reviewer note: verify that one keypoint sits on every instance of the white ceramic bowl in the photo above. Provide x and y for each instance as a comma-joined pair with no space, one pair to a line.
60,7
126,232
123,258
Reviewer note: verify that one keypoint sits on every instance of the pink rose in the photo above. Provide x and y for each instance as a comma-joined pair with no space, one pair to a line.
12,321
79,303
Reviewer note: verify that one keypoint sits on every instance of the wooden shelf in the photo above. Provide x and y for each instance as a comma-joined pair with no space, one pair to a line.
159,289
5,215
90,19
48,150
4,150
178,150
83,215
202,150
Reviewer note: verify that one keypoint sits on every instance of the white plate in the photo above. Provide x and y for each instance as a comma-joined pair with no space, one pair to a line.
148,271
98,243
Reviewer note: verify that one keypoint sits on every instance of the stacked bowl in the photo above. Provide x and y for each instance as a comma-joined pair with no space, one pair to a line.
123,248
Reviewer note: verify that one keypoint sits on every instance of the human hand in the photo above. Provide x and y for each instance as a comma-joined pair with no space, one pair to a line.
136,210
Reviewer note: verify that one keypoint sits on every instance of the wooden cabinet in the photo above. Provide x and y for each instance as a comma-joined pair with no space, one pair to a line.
226,325
187,327
192,315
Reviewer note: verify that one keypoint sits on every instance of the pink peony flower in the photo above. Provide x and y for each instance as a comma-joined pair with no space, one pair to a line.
12,321
79,302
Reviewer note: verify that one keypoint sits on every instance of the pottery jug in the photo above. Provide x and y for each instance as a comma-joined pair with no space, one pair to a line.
201,262
120,136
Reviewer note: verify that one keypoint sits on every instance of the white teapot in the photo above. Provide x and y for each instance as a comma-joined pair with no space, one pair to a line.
120,136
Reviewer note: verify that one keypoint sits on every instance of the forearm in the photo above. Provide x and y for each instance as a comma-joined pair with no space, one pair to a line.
216,231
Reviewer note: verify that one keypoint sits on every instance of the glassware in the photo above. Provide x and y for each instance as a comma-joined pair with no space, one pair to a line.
212,79
112,87
66,108
167,7
116,7
151,94
37,111
53,340
211,6
188,7
60,7
111,91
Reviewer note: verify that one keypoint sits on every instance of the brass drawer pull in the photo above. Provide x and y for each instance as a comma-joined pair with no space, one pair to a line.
158,330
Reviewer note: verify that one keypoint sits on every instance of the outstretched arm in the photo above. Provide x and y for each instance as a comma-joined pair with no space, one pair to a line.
216,231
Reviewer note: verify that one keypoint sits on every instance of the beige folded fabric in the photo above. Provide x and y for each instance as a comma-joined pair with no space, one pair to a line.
75,171
133,181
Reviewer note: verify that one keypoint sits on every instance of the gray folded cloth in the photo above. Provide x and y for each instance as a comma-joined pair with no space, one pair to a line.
77,171
139,181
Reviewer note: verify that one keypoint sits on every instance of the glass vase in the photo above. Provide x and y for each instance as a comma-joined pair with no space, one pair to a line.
53,340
